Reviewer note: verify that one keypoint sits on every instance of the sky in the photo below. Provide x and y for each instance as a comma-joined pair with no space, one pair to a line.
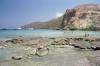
15,13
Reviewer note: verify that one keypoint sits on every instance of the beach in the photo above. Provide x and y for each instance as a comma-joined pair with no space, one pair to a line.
49,33
50,51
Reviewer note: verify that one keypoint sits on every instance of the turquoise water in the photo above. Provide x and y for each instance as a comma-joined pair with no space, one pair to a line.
45,33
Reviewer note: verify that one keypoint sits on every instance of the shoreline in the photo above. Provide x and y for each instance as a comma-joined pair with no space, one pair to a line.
73,50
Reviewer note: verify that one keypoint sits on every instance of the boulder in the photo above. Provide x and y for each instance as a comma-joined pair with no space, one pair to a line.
78,46
42,51
90,39
60,42
17,40
32,51
95,48
78,38
16,57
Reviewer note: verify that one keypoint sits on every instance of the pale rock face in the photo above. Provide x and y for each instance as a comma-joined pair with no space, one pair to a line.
82,23
86,16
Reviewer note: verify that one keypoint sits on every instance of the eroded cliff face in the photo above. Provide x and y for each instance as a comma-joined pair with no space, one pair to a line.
85,16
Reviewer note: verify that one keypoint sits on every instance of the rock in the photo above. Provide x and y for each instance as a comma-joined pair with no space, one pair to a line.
60,42
82,17
63,46
98,39
95,45
95,48
16,57
3,44
2,47
17,40
28,48
78,38
42,51
77,46
32,51
90,39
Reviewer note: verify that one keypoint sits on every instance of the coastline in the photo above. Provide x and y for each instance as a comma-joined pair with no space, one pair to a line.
76,51
31,35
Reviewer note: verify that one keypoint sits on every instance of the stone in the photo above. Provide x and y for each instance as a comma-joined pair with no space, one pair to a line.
28,48
60,42
1,47
17,40
32,52
95,48
77,45
80,38
90,39
16,57
42,51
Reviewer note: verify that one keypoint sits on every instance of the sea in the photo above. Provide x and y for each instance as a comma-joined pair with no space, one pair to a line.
11,33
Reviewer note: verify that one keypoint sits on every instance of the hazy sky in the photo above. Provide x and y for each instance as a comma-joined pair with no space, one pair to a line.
14,13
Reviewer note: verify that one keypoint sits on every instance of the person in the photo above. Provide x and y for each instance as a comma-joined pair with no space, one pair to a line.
86,35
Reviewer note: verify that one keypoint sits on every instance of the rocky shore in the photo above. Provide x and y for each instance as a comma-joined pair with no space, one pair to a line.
79,51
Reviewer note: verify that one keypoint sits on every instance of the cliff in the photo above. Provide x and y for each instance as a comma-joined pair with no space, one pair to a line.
85,17
82,17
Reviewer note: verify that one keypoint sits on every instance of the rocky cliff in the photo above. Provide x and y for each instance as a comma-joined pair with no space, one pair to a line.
82,17
86,17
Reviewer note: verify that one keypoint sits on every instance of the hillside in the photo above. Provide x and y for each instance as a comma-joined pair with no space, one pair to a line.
82,17
52,24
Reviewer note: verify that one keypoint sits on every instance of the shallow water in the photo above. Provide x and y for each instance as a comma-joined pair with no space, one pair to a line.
45,33
56,57
5,52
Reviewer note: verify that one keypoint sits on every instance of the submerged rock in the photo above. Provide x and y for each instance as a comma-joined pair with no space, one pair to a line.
78,46
17,40
60,42
32,51
95,45
95,48
16,57
42,51
3,44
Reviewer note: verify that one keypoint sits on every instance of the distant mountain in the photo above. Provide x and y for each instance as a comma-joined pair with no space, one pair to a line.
82,17
52,24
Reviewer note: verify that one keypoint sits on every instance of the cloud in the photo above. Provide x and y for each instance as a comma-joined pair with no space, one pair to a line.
58,14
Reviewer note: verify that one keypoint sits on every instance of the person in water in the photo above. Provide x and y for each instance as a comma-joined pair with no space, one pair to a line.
86,35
